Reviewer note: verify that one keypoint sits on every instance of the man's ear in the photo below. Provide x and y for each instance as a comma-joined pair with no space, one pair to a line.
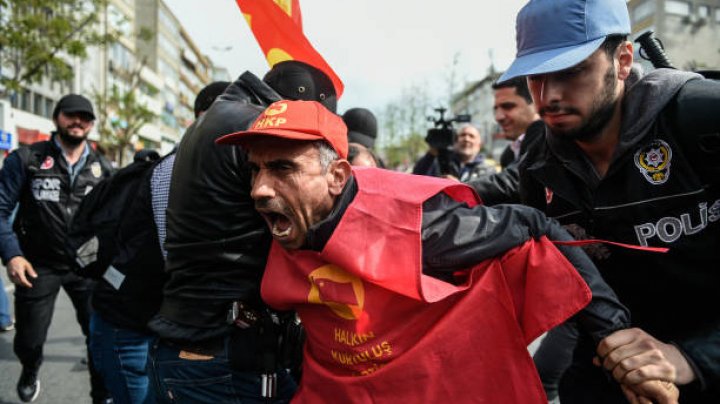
625,60
338,175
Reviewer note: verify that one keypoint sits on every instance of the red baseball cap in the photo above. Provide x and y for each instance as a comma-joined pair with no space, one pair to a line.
296,120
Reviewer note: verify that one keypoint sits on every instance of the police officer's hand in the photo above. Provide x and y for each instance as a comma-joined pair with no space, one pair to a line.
634,356
653,391
20,271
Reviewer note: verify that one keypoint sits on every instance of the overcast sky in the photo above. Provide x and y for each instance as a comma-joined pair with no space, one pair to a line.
378,48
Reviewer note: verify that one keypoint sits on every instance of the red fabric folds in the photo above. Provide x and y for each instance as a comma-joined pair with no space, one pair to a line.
277,26
378,330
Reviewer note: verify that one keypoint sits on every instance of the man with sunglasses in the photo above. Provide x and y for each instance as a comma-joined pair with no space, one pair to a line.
48,180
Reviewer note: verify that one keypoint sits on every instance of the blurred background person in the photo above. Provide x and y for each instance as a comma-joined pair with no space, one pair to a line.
358,155
465,162
362,126
362,132
514,112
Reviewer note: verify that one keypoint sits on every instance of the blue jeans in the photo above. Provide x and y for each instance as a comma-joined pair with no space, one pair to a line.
120,355
177,379
5,317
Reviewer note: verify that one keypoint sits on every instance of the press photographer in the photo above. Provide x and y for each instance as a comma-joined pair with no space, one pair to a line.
454,154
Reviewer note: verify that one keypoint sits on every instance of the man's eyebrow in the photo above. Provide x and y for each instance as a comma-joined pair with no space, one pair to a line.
280,163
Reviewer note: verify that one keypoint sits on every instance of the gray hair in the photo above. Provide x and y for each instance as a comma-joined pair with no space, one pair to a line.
326,152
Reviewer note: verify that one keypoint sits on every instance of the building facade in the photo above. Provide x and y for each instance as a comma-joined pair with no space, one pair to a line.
689,30
477,100
169,66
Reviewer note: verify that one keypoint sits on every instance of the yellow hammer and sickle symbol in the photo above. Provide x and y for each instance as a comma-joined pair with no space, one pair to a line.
276,109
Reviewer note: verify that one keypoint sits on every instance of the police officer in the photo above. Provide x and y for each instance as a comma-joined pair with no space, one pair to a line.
623,157
48,180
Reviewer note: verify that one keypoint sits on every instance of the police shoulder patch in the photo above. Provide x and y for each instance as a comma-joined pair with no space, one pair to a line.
96,169
653,161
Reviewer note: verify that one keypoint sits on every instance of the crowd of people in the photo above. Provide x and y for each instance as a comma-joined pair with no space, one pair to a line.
270,257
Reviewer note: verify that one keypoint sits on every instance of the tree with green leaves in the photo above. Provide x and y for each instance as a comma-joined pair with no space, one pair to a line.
39,37
405,125
122,115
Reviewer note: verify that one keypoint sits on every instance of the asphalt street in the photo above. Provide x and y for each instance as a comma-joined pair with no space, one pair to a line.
63,377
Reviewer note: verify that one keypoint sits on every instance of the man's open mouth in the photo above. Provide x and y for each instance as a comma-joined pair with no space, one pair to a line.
280,225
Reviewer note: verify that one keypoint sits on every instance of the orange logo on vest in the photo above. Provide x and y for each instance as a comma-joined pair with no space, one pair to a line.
342,292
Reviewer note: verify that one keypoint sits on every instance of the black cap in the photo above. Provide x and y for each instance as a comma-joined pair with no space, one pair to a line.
73,103
146,155
207,95
295,80
362,126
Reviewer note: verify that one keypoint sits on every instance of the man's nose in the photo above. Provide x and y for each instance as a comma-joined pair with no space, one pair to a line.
499,115
550,89
261,187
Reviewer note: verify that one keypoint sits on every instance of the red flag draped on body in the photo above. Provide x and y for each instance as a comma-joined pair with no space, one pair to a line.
277,26
381,331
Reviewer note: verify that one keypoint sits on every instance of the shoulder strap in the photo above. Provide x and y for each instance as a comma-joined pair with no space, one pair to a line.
694,115
32,156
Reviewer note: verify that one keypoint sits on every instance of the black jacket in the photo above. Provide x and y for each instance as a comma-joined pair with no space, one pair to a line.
216,243
660,190
430,165
503,187
37,178
131,300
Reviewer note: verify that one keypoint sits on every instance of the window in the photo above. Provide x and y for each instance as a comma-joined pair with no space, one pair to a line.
15,100
49,106
168,22
38,105
703,11
170,73
117,20
717,15
643,10
169,47
121,57
677,7
25,100
170,100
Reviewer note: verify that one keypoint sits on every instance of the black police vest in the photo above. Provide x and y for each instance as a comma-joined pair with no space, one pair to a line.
49,200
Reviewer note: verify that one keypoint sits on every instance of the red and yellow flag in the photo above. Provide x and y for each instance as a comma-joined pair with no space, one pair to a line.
277,26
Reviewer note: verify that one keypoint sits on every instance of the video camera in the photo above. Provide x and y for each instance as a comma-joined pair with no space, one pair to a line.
441,139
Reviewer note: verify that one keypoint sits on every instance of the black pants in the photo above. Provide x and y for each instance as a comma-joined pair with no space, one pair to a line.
554,356
34,309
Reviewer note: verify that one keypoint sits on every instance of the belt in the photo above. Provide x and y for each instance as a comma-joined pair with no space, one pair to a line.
210,347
